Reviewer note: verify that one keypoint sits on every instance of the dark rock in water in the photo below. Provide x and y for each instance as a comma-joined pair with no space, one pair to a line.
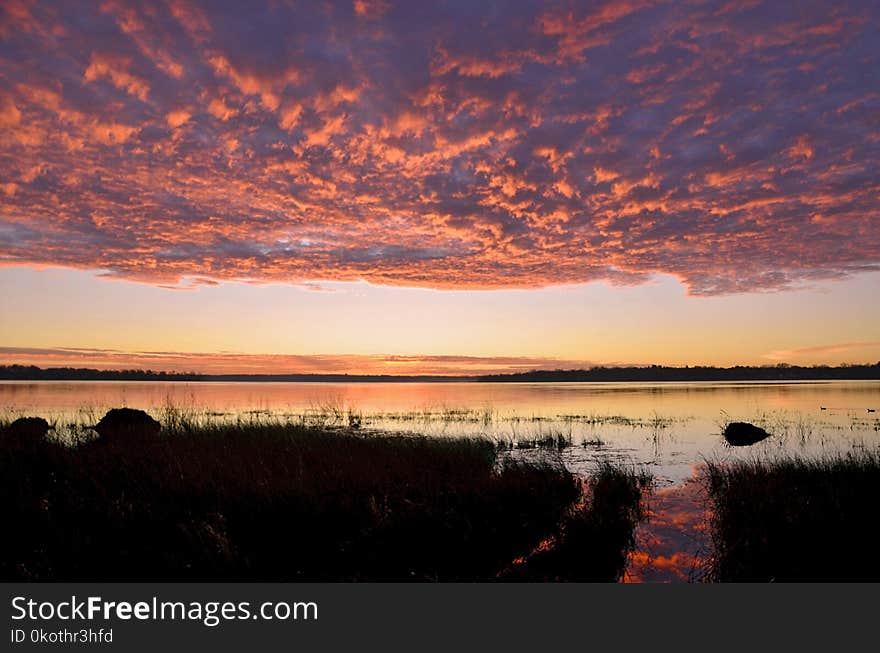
743,434
127,422
26,430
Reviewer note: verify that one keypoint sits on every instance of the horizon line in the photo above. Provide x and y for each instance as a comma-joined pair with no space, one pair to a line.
649,372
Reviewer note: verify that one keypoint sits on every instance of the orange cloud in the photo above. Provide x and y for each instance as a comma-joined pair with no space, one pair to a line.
177,118
725,144
115,69
787,354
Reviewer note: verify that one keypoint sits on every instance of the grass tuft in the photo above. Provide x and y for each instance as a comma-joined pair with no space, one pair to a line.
794,519
596,533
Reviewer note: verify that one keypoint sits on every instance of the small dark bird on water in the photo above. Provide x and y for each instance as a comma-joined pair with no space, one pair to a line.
872,410
822,408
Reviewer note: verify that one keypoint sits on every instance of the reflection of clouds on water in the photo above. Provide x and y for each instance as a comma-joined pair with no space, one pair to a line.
672,542
667,429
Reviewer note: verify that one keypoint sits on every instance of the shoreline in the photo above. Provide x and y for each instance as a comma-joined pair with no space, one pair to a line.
604,375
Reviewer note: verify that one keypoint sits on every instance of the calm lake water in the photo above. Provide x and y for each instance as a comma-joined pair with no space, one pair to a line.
669,427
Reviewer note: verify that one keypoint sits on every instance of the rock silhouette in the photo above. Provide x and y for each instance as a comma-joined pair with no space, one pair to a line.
128,423
26,431
743,434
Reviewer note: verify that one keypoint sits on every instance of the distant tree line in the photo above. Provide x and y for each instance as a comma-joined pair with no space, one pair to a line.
782,372
650,373
34,373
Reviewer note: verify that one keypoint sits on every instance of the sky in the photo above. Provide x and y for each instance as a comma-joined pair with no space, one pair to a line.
401,187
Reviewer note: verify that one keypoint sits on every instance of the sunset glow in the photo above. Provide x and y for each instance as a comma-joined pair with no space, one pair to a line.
438,188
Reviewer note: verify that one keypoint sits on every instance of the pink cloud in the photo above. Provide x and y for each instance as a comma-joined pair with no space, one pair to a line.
237,363
787,354
734,146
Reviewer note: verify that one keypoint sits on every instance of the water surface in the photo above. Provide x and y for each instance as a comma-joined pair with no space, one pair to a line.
669,427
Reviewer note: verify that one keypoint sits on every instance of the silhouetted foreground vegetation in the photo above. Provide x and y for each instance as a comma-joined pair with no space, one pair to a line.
276,501
595,536
645,374
792,519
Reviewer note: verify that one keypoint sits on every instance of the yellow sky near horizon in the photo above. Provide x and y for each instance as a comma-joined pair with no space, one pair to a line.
59,317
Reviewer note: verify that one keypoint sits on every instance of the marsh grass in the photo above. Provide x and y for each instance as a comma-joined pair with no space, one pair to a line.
796,427
256,497
596,533
509,430
795,519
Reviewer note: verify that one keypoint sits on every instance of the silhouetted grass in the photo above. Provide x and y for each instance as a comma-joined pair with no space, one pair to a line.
595,534
270,500
793,519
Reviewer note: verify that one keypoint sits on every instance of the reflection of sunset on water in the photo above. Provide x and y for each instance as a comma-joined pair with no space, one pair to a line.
668,427
672,542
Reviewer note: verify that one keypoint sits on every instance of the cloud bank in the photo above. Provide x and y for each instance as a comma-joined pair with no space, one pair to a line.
735,145
238,363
